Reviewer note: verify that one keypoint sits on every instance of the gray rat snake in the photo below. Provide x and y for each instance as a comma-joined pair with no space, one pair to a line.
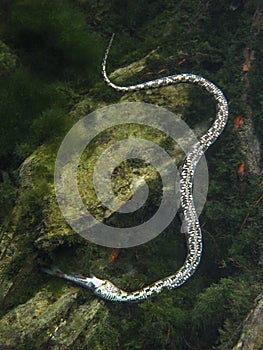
104,288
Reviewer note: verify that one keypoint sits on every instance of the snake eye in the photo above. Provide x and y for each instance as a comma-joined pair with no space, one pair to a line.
91,285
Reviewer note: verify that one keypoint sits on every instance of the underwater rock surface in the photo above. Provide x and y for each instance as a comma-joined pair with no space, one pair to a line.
252,332
42,312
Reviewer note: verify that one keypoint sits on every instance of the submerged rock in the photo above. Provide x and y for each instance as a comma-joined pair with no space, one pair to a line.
8,60
40,314
49,321
252,334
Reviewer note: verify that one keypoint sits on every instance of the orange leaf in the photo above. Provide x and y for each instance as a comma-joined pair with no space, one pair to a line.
114,255
238,121
241,169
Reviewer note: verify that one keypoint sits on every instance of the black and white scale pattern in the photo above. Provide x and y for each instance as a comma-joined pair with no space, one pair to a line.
106,289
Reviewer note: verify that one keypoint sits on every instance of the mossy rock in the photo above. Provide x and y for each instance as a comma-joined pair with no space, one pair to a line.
8,60
37,234
252,334
52,321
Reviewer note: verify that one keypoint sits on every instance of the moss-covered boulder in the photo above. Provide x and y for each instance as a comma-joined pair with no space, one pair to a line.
50,321
42,312
8,60
252,333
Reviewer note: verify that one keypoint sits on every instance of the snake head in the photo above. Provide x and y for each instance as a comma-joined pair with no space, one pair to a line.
95,282
91,282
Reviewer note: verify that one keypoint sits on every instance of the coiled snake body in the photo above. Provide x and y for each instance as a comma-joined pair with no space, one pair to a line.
106,289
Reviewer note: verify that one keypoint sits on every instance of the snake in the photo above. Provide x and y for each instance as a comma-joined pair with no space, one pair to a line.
104,288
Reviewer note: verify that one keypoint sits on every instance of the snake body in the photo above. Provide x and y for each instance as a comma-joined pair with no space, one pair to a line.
106,289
